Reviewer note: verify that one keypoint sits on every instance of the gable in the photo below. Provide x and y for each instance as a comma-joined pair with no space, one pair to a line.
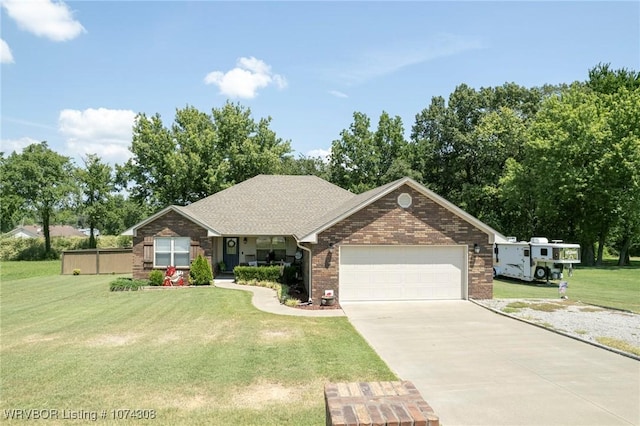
384,221
362,201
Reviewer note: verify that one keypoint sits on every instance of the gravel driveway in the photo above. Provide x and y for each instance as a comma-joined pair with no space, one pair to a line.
585,322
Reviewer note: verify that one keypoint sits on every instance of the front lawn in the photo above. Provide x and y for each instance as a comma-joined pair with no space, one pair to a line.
609,286
194,355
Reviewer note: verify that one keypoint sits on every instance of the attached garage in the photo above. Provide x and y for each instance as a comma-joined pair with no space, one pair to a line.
410,272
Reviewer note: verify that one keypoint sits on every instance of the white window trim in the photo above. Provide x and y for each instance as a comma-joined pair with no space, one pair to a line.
172,252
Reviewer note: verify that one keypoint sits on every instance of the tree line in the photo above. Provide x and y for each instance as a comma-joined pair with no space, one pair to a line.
559,161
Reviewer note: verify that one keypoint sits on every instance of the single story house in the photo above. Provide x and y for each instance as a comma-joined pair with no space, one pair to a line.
35,231
399,241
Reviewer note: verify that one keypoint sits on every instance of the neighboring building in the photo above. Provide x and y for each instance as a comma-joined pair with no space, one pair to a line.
87,232
35,231
400,241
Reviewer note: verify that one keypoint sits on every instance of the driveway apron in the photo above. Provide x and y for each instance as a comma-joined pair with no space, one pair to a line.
475,367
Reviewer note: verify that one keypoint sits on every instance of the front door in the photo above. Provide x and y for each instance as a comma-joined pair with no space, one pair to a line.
526,263
230,253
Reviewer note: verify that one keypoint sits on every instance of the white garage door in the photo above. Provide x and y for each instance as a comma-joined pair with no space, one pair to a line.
402,273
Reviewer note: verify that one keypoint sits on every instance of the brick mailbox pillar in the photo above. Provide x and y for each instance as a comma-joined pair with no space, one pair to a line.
377,404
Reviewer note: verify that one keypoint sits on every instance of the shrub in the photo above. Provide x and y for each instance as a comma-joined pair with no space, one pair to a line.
126,284
289,275
257,273
200,272
156,277
290,301
33,248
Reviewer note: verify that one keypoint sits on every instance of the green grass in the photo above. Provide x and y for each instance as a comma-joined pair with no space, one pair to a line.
619,344
16,270
609,286
194,355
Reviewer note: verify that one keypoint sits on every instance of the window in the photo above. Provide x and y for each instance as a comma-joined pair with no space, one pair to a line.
172,251
266,244
544,252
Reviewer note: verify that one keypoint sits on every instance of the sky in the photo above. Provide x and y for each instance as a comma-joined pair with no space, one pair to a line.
76,73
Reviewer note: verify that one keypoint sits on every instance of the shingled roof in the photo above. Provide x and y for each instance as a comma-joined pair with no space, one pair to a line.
301,206
268,205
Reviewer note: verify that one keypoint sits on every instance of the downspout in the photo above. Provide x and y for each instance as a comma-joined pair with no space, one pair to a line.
310,268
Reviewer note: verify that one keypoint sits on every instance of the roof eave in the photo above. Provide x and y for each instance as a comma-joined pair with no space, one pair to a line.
133,231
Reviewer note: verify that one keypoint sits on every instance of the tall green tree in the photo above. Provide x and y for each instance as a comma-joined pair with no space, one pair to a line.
619,92
96,189
306,165
42,179
461,146
584,151
363,159
200,154
11,212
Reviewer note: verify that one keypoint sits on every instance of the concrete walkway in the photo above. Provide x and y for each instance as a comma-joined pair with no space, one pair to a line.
265,299
475,367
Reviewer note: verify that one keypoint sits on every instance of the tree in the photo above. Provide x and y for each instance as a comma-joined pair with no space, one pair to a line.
461,147
584,150
11,212
96,186
199,155
619,90
303,165
362,160
248,148
42,179
604,80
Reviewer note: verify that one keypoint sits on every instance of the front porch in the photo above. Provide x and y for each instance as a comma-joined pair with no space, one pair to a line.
232,251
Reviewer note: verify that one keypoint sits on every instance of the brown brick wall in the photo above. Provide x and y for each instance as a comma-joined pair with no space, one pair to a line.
384,222
171,224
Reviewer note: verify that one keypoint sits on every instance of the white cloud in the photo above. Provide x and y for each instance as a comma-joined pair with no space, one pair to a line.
379,62
17,145
243,81
338,94
105,132
44,18
5,53
322,153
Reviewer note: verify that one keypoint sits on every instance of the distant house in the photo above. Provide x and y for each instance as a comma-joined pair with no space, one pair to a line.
35,231
87,232
396,242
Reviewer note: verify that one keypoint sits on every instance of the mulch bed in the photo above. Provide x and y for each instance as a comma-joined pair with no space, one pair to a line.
301,295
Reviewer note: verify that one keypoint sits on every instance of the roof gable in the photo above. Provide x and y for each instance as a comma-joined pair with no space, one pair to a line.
367,198
178,209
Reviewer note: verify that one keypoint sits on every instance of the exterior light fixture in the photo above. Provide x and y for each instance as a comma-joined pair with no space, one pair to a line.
476,248
330,247
244,240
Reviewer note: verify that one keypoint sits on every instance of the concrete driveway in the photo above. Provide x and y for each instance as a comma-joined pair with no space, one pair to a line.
475,367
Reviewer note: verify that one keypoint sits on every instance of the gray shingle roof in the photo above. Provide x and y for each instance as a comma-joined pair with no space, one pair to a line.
301,206
269,205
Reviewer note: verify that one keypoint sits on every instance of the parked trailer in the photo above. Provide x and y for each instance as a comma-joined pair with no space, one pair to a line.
537,259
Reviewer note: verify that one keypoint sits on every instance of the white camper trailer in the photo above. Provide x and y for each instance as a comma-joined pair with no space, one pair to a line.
537,259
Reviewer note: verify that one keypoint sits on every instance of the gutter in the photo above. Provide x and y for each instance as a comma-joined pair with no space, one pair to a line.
308,250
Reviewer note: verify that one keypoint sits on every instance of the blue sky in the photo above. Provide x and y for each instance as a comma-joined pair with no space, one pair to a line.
75,73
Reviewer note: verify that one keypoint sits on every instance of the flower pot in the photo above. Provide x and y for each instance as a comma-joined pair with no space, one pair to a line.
328,301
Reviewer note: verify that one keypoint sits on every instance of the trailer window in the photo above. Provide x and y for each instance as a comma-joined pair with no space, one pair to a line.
544,252
526,252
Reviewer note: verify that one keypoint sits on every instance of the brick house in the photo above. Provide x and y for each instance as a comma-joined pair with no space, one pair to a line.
399,241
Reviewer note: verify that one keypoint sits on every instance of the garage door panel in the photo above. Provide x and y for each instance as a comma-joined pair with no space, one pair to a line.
401,272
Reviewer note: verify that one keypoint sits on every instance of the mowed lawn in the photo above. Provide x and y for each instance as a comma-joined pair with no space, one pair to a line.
195,356
609,286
